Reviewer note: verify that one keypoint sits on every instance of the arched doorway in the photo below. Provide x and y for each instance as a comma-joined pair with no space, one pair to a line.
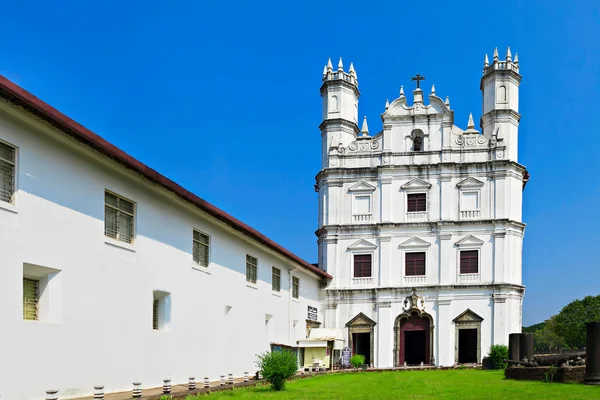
413,337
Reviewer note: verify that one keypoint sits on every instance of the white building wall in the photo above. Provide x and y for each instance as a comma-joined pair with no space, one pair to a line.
98,329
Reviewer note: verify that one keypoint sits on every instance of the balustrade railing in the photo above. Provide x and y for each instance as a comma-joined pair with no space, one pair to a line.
362,217
467,214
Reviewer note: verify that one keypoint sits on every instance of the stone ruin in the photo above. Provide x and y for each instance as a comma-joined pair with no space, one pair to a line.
520,354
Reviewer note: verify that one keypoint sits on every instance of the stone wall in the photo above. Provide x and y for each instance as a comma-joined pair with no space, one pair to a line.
569,374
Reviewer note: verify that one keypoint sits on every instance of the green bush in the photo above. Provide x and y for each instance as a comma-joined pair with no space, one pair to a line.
277,366
357,360
498,354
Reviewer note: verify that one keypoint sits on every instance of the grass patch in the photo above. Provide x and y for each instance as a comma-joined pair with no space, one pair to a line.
422,385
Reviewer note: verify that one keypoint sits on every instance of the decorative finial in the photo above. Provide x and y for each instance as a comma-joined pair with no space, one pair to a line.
433,89
387,103
401,91
508,55
447,102
516,58
495,54
365,128
325,70
352,71
340,65
329,66
486,61
470,124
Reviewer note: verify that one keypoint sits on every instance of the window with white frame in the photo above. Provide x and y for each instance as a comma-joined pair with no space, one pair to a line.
200,243
362,204
469,251
295,287
276,279
161,310
251,269
42,293
31,297
7,172
469,197
119,215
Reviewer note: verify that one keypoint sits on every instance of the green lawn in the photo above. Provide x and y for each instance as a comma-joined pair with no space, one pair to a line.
438,385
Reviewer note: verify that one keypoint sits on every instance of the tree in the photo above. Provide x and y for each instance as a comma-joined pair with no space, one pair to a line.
277,366
571,321
546,340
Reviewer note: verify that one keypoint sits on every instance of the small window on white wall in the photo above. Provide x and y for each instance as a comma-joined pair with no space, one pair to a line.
469,201
362,204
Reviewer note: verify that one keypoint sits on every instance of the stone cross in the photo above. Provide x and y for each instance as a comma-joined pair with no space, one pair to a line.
418,78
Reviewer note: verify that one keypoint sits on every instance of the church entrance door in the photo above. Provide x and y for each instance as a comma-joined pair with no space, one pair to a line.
467,346
414,340
362,345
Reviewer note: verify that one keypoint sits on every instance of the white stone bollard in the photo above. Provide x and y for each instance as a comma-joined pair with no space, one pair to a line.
99,392
222,381
166,386
230,379
52,394
246,377
137,390
192,383
206,382
404,364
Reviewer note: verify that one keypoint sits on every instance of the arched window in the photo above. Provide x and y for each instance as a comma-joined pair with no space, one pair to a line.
333,103
417,140
501,94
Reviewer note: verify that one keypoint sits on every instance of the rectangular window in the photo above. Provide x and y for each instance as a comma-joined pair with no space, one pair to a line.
251,269
118,218
200,248
276,280
362,265
469,201
7,172
295,287
30,299
362,204
414,264
155,304
416,202
469,262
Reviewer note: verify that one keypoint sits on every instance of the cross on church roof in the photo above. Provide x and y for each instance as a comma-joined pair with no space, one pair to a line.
417,78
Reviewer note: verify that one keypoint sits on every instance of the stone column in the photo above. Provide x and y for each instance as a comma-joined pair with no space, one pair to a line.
514,344
499,321
444,332
385,335
592,358
526,345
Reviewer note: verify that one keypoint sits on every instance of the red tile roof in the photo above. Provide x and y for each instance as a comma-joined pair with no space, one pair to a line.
22,98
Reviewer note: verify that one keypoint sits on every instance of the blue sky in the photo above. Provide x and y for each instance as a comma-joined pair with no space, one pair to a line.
223,97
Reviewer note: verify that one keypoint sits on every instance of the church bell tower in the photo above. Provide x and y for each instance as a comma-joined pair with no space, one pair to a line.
340,108
500,89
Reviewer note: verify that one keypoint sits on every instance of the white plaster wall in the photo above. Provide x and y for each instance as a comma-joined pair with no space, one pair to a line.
100,331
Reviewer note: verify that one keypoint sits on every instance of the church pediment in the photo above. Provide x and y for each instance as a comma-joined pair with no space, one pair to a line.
469,241
470,183
362,244
468,316
362,186
415,242
416,183
361,319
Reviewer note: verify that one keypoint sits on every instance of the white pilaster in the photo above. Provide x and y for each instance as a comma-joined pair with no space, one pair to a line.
444,332
384,332
499,328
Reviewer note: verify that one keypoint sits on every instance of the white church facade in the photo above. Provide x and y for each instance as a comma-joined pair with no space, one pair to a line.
420,225
112,274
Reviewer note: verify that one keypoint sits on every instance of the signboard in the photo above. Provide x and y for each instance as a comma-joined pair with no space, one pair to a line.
346,354
312,313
